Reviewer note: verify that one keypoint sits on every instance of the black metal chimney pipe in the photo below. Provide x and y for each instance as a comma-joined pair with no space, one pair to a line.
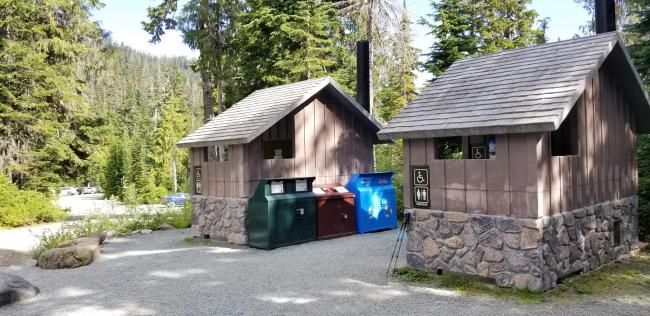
363,74
605,15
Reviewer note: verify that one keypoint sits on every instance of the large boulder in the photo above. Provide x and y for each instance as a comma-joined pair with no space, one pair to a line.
70,254
14,288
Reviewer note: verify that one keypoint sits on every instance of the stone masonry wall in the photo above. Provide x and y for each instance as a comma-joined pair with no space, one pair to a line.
220,218
521,253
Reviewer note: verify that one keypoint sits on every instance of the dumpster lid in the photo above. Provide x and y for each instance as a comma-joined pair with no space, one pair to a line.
331,191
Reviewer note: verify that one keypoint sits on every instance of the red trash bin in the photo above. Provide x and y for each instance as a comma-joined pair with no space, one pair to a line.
334,212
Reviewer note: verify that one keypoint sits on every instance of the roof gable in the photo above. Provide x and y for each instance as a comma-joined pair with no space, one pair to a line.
259,111
528,89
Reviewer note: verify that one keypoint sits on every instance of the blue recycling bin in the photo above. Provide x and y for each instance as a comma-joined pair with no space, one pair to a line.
374,201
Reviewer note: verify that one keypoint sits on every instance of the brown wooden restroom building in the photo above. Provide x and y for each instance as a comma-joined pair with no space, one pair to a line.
547,181
310,128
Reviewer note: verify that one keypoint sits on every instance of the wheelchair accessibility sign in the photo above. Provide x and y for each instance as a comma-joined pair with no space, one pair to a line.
420,186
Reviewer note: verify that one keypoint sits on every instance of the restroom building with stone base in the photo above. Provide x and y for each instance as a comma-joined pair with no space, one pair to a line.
305,129
520,166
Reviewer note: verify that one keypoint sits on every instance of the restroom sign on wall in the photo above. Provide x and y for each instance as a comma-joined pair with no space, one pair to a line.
420,186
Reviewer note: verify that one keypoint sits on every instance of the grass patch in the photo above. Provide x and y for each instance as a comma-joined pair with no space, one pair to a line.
133,220
468,285
627,278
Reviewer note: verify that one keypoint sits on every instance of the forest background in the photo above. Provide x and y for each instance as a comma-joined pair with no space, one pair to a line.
77,109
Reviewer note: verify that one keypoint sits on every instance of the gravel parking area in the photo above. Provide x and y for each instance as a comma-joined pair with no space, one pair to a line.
161,274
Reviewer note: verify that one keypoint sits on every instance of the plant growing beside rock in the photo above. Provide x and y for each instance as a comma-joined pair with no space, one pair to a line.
123,224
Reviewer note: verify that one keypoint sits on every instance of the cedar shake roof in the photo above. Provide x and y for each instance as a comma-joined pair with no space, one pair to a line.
259,111
529,89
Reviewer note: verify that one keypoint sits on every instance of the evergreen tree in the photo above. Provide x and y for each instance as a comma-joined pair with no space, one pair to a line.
44,122
284,41
395,93
454,25
170,129
115,172
639,48
207,26
464,28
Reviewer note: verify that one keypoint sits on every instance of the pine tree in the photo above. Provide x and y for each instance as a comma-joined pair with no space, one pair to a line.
465,28
115,172
395,93
283,41
44,122
454,25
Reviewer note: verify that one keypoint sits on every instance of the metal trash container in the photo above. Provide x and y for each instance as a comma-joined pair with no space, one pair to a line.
281,212
335,211
374,201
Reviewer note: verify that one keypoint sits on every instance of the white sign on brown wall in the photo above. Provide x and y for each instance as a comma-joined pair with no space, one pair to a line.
420,186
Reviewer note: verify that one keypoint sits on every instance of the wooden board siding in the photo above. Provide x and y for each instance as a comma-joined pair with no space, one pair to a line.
221,178
493,186
329,144
606,157
525,180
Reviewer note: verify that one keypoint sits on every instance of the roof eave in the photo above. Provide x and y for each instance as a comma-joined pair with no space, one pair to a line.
207,143
487,130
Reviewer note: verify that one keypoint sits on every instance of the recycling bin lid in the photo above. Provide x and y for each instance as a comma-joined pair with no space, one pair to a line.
331,191
374,174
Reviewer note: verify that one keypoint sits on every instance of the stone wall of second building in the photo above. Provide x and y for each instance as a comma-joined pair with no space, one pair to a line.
220,218
522,253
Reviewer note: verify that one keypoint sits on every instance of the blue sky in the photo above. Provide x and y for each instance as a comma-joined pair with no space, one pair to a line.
122,18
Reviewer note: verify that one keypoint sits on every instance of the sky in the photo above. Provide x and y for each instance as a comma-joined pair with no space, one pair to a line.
122,18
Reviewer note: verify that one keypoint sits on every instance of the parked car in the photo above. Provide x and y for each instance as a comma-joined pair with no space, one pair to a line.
176,199
88,190
68,191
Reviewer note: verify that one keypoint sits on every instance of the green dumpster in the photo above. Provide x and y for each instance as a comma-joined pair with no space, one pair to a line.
281,212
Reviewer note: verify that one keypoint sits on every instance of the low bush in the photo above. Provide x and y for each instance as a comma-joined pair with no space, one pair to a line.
133,220
21,207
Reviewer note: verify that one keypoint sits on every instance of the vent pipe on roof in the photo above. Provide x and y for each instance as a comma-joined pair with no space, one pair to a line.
363,74
605,16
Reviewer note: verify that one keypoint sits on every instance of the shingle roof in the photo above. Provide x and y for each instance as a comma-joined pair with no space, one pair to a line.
521,90
250,117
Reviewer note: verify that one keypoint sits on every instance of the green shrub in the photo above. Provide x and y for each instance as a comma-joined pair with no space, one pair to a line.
133,220
21,207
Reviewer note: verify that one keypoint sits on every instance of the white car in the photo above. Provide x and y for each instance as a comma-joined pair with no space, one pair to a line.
68,191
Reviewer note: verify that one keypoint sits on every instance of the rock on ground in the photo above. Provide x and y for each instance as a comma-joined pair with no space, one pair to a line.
14,288
70,254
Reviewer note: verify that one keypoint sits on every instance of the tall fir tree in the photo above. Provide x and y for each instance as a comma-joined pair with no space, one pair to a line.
283,41
44,121
464,28
397,90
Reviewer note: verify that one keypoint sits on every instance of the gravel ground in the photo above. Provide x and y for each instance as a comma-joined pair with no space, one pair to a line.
161,274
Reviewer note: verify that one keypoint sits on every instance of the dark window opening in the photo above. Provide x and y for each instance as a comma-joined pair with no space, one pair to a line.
617,233
449,147
466,147
198,181
218,153
278,149
564,141
206,154
278,141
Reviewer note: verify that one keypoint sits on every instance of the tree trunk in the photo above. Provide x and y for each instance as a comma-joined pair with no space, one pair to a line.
219,79
208,94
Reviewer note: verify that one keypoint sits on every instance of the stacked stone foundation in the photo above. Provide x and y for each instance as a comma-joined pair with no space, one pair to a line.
522,253
220,218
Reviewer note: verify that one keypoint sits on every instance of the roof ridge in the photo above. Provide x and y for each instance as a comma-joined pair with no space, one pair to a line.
292,83
518,49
